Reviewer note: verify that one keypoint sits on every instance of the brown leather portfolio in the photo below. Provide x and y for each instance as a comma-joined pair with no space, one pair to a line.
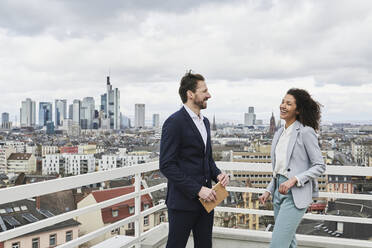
221,193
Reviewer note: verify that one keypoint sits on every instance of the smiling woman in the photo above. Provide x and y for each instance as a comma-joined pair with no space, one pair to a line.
297,163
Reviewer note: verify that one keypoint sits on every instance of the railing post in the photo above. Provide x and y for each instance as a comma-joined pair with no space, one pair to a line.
137,207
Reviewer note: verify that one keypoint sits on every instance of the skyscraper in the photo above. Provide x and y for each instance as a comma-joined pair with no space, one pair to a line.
4,117
28,113
139,115
87,112
250,117
5,121
76,105
155,120
45,113
104,103
112,105
71,111
60,109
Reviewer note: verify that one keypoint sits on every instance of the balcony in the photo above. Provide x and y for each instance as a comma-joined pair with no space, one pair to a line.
157,236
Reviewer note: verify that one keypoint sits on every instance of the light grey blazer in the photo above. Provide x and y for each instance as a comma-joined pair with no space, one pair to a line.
304,160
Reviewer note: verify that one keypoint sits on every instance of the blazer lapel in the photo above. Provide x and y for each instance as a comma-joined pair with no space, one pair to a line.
193,127
292,140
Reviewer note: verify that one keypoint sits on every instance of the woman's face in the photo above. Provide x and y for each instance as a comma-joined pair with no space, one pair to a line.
287,108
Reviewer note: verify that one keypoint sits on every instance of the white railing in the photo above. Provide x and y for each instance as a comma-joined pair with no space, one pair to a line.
41,188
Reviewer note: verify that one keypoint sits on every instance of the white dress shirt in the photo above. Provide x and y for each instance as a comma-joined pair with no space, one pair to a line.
281,152
199,123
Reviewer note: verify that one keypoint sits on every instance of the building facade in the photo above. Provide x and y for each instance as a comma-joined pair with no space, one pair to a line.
60,110
5,152
113,105
87,112
21,162
28,113
108,162
68,164
139,118
106,216
155,121
45,113
250,117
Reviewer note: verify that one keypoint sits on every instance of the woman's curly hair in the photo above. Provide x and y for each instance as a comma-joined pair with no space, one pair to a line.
308,108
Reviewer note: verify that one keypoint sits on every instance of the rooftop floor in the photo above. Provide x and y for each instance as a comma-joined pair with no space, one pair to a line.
232,238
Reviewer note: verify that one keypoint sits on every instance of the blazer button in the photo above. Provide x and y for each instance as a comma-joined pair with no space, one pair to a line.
288,169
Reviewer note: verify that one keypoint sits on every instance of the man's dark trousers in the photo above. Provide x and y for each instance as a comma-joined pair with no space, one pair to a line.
199,222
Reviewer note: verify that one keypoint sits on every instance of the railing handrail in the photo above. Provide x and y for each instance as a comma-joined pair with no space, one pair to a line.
25,191
21,192
267,167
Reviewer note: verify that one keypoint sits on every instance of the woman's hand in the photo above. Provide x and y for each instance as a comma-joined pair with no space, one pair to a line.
287,185
263,198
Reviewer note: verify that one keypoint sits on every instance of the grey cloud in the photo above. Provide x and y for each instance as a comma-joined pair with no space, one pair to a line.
93,19
51,46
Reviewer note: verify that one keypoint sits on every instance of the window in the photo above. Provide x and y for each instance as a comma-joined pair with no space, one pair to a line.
162,218
131,210
241,219
115,231
131,225
53,239
68,236
115,213
35,243
16,245
146,206
146,220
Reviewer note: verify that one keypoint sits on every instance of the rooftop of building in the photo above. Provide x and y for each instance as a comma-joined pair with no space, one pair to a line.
24,212
20,156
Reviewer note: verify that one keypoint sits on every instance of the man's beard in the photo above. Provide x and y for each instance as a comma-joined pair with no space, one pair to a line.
201,104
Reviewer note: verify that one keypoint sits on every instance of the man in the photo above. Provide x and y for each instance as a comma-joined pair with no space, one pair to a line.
186,160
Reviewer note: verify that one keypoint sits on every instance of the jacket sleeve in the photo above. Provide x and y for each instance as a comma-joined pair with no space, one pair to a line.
168,162
271,187
314,154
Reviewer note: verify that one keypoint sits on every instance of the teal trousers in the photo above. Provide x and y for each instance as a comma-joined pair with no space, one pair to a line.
287,218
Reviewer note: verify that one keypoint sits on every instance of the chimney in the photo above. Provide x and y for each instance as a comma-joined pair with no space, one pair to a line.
38,202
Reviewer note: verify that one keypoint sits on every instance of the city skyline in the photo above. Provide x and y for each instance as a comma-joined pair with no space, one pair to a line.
147,47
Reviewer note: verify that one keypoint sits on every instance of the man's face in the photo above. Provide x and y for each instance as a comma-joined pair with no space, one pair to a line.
201,95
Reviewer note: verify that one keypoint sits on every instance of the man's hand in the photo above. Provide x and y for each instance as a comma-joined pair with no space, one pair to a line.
263,198
223,179
207,194
287,185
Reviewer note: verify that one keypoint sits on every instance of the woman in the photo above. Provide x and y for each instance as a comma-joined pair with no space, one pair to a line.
297,162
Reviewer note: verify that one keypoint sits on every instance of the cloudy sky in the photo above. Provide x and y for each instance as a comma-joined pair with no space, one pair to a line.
250,52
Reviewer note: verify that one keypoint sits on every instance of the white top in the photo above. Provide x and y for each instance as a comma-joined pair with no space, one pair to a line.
281,152
198,120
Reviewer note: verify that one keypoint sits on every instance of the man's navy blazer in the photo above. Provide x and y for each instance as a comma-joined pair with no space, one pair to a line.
185,161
